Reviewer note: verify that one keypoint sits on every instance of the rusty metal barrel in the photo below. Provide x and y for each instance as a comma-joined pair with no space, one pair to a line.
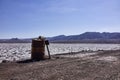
38,49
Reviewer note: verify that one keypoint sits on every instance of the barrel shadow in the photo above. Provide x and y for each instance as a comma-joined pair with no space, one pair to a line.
28,61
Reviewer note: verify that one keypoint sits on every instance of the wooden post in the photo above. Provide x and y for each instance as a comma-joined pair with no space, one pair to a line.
47,43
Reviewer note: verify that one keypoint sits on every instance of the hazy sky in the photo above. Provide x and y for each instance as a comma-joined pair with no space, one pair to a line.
31,18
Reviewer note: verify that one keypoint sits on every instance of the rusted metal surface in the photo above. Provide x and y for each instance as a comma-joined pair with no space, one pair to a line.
38,49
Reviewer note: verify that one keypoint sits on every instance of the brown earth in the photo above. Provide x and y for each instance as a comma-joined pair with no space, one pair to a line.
104,65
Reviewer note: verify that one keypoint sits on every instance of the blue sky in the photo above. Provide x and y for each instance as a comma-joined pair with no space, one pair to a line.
31,18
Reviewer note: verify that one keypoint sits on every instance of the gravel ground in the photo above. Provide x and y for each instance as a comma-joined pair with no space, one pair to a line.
104,65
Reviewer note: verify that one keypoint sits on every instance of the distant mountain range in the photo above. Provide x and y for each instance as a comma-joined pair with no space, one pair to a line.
87,37
15,40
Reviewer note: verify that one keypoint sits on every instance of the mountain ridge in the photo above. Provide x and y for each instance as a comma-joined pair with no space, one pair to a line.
87,37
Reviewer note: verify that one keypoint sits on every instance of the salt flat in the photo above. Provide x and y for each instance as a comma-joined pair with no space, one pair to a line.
19,51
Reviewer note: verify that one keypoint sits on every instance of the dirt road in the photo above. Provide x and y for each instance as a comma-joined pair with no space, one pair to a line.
104,65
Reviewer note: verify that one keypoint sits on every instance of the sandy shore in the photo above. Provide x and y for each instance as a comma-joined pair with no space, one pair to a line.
101,65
